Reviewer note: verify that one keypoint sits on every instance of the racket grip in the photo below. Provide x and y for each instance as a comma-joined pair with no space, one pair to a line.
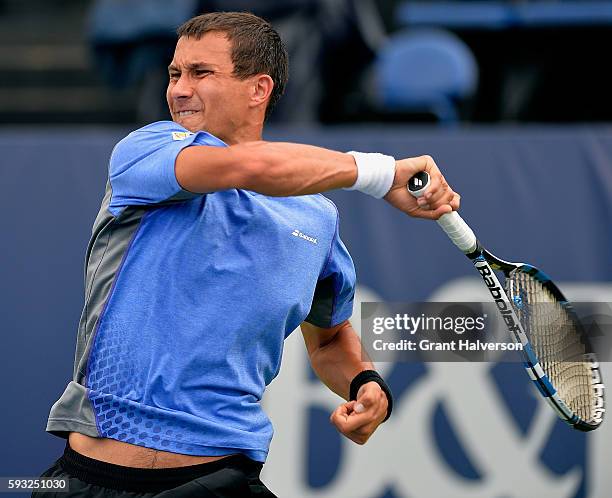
458,231
453,225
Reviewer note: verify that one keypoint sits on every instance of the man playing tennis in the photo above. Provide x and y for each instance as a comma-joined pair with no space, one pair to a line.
209,249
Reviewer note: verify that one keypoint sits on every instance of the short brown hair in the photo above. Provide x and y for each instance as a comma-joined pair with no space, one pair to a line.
256,47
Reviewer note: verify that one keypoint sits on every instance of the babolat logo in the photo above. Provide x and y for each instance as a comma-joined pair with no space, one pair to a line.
598,390
502,303
297,233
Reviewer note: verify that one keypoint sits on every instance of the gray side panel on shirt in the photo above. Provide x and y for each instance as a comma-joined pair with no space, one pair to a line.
110,240
73,413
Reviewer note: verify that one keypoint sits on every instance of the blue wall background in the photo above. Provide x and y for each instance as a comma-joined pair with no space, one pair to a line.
543,195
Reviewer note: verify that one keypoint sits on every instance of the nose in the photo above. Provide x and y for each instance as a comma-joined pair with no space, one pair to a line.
182,88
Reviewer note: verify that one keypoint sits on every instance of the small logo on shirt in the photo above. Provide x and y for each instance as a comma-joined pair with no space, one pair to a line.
297,233
180,135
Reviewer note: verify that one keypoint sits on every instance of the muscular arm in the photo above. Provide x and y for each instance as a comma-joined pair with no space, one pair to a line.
285,169
336,357
271,168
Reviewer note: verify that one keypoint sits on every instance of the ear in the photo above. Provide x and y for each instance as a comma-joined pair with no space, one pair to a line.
261,89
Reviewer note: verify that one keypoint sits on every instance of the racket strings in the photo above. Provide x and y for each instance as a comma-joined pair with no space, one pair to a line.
556,342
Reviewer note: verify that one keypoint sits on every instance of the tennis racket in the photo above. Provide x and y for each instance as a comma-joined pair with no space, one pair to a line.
556,352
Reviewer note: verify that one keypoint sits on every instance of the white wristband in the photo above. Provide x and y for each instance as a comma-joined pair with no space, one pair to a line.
375,173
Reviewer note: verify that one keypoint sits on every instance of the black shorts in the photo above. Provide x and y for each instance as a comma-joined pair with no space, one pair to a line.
234,476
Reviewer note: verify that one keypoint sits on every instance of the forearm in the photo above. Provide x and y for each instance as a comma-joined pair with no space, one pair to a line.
271,168
296,169
337,362
287,169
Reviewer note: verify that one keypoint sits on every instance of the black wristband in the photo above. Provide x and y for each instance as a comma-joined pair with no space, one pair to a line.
371,376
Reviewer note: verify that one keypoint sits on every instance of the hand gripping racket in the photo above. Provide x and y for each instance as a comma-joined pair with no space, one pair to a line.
556,352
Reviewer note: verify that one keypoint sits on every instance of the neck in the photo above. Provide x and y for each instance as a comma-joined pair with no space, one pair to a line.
248,129
244,135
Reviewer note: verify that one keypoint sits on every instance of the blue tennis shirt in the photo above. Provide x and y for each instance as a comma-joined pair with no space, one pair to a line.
188,299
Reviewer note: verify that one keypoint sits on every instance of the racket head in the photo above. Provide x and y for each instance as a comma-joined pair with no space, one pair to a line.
557,353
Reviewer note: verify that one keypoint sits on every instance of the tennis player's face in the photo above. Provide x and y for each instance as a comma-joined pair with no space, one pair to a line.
203,93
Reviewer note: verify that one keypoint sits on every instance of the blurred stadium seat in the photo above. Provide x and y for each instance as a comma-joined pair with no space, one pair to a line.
119,21
504,14
425,71
104,61
133,41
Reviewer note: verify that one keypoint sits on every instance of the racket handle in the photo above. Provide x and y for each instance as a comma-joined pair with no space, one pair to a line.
453,225
458,231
